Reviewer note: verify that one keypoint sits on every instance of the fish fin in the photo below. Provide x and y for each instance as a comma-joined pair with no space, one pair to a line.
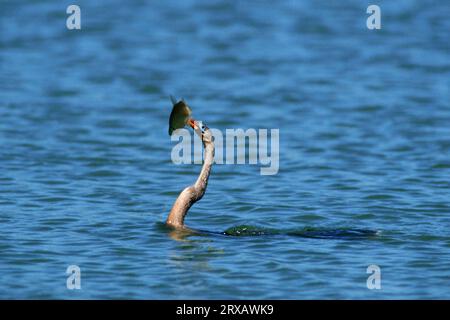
174,101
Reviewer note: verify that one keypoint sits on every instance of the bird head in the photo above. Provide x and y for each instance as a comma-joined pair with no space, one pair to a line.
202,130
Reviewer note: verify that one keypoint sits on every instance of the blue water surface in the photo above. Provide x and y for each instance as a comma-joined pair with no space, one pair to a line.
86,176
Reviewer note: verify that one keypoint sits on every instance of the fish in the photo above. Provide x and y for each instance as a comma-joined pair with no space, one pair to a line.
180,115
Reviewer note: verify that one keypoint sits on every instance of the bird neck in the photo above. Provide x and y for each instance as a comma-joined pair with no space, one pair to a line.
193,193
202,180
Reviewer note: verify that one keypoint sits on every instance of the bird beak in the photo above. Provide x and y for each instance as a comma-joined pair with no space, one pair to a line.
191,122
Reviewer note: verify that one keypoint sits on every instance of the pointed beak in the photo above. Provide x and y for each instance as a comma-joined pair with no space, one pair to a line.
191,123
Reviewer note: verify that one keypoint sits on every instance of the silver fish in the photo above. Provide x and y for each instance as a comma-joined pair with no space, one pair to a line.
180,115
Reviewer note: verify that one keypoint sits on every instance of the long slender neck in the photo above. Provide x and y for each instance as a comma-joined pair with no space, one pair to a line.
193,193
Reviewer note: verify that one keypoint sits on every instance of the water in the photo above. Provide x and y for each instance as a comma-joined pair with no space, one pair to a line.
86,177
